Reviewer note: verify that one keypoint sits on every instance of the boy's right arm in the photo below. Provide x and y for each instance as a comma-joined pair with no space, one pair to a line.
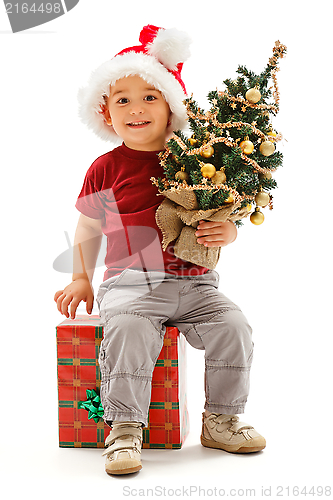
87,243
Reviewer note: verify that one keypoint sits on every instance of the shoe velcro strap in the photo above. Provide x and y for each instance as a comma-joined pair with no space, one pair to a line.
122,444
222,419
122,432
239,426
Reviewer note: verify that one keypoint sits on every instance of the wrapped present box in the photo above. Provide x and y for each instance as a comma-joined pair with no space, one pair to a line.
80,413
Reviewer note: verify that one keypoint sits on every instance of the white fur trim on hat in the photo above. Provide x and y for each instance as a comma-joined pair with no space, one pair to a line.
121,66
170,47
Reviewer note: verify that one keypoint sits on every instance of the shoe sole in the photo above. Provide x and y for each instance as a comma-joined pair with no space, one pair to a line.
118,472
258,444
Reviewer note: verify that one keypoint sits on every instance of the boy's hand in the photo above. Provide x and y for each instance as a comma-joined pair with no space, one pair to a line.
72,295
216,234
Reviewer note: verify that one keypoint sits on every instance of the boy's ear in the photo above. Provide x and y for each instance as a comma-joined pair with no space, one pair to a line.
107,117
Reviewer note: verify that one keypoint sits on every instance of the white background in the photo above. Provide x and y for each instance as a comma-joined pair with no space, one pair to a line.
280,273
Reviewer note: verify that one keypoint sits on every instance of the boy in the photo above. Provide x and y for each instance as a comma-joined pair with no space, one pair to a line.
137,96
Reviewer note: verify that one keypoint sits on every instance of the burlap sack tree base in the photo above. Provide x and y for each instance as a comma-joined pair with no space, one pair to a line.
178,217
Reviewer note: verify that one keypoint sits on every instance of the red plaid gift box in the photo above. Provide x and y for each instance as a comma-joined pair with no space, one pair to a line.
78,344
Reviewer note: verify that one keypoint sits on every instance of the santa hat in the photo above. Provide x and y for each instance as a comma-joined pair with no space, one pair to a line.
158,60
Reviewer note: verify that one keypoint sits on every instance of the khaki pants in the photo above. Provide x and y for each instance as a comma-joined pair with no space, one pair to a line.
135,309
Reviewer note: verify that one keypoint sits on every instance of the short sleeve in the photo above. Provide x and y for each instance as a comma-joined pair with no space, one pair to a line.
90,202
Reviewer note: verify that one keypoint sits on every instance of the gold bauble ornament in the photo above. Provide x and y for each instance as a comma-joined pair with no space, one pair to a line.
265,175
219,177
262,199
193,141
253,95
249,207
267,148
272,135
246,146
257,217
182,175
230,199
206,151
208,170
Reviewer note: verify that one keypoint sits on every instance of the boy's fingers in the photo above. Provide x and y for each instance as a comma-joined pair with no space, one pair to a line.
74,304
212,243
65,303
209,231
213,240
62,303
57,295
59,302
207,225
213,237
90,303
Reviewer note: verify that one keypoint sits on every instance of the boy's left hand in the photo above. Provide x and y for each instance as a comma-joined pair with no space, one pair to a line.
216,234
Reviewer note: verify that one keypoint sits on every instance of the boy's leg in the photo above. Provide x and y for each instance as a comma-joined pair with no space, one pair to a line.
128,354
210,321
133,319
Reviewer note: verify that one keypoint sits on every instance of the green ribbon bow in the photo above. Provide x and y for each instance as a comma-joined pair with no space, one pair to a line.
93,405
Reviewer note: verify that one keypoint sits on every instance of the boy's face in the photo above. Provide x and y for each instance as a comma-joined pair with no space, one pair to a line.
138,113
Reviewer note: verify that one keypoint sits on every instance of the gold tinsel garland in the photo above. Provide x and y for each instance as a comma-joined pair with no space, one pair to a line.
195,187
216,140
209,116
276,93
174,186
278,53
244,102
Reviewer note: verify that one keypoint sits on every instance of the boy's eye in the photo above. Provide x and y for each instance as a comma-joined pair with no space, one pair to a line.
123,100
150,98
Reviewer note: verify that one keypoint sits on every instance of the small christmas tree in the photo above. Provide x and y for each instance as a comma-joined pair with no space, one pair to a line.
227,163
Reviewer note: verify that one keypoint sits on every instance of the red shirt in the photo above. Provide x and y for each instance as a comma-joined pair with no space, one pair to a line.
118,190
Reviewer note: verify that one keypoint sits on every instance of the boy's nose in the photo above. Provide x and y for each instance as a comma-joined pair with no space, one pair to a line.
136,109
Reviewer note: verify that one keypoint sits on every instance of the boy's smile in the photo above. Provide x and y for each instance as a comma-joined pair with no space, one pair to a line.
138,113
138,124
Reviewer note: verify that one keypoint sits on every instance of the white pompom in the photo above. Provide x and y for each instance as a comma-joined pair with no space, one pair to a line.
170,47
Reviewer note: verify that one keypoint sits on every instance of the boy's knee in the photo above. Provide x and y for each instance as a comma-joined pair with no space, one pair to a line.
131,342
241,341
230,340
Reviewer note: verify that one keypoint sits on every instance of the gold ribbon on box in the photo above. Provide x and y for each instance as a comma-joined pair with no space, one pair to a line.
178,217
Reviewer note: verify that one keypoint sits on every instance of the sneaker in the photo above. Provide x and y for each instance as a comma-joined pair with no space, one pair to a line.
123,448
227,433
